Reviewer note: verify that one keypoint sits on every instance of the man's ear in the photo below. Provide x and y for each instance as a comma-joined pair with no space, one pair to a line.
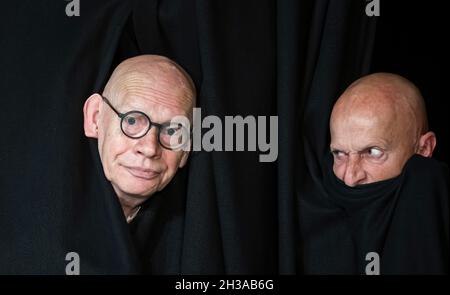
91,115
427,143
184,159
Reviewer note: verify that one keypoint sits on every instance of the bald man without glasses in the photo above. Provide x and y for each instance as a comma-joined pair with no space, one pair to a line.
376,125
132,121
380,205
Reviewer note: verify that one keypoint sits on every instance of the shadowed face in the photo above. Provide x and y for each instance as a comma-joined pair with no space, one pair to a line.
375,128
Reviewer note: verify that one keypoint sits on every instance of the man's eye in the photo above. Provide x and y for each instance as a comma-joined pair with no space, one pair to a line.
338,154
171,131
131,121
375,153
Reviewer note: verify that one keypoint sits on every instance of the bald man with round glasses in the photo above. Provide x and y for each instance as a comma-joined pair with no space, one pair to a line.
139,144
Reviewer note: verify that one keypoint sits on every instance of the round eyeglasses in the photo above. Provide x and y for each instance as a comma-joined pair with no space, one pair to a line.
136,124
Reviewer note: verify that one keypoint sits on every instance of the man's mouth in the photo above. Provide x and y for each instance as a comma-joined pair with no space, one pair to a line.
139,172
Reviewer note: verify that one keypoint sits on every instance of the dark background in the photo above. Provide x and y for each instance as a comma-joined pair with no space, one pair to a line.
225,213
410,41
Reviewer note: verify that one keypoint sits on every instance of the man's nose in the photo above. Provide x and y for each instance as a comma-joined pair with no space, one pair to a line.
354,172
148,145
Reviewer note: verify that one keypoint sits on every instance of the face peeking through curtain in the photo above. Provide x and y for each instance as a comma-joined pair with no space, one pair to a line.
132,120
377,124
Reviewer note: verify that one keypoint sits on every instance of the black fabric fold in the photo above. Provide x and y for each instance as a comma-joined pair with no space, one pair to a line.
404,220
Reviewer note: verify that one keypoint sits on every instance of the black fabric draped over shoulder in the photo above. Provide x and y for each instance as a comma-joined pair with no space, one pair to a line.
404,220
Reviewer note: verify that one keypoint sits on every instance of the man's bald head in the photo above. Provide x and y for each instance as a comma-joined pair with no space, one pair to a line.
138,74
382,118
391,95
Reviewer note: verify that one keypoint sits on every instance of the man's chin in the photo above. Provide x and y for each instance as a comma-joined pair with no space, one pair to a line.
138,193
137,187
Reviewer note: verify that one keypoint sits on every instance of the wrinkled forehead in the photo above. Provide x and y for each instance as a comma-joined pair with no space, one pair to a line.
156,108
362,129
363,120
155,94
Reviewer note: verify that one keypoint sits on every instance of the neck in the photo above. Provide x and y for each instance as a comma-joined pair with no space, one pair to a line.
130,205
130,212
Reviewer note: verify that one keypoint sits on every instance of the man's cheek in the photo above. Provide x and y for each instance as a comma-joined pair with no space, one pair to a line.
165,177
339,170
381,171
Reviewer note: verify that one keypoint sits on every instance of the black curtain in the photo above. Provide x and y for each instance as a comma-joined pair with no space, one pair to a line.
225,212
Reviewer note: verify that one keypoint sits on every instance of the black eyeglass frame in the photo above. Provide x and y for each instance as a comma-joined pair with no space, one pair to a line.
122,116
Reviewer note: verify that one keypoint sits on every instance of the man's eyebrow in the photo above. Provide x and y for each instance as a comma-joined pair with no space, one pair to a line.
380,145
335,149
